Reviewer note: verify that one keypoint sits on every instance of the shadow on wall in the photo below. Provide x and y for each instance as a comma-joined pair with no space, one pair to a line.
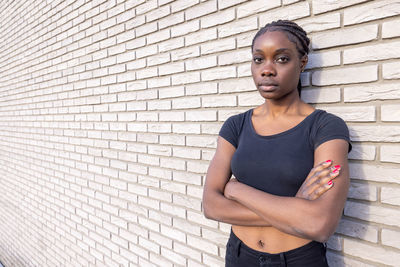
359,190
353,210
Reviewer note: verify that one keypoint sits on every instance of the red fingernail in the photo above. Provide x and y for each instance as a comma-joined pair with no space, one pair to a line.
328,161
330,182
337,166
335,170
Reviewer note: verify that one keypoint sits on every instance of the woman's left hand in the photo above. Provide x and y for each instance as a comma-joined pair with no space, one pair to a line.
230,187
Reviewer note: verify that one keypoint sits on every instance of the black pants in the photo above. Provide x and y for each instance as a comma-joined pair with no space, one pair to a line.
240,255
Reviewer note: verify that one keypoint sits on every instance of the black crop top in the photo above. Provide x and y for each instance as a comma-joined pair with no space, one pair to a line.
279,163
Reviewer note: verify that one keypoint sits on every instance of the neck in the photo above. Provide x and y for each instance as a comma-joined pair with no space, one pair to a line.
290,104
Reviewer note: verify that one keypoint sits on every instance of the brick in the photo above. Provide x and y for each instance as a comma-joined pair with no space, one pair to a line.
218,101
172,116
391,29
371,252
320,23
171,255
320,6
390,195
335,243
372,213
186,78
186,153
217,46
342,37
254,7
173,233
292,12
235,85
235,57
358,230
159,105
197,167
171,20
171,92
146,29
172,139
390,112
345,75
212,261
390,153
186,128
358,113
158,13
219,73
250,99
371,11
160,259
219,18
185,28
376,173
391,70
186,226
188,251
201,141
363,152
201,36
201,115
182,4
339,260
185,53
173,163
159,239
171,68
158,36
323,59
202,9
321,95
237,27
203,245
186,103
390,238
201,63
371,92
146,7
363,54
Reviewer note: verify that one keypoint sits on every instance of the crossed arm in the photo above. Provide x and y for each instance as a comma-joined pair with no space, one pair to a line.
313,213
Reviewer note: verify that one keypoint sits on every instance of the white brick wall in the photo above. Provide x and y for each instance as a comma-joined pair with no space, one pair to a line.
110,109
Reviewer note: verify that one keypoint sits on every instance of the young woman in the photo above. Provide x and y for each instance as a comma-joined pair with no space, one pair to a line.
284,154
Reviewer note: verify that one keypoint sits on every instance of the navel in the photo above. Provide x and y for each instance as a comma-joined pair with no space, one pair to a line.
261,243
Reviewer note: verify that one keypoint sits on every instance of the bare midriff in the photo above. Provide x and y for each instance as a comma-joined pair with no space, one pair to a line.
268,239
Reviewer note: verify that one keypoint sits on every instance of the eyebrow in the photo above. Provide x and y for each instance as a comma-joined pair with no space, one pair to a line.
280,50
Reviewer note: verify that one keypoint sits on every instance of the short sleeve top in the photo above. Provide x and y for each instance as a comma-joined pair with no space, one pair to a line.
279,163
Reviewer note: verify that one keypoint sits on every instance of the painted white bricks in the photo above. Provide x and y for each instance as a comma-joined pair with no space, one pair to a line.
110,112
345,75
344,37
371,11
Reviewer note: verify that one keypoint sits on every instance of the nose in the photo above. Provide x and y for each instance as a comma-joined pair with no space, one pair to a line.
268,70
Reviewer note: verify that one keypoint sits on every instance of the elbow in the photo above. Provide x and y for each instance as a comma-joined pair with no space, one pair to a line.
322,230
208,211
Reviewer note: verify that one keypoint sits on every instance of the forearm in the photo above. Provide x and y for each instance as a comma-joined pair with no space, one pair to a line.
219,208
292,215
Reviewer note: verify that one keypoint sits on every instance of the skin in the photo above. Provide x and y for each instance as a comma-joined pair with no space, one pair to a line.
263,221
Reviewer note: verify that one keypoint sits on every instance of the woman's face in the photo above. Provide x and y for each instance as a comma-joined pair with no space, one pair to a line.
276,65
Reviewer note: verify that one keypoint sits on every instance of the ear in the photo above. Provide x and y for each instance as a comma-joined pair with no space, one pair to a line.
303,62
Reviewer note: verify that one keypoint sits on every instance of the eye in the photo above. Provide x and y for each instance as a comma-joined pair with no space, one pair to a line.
282,59
257,60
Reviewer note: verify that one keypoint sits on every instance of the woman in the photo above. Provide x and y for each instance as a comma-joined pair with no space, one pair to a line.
284,154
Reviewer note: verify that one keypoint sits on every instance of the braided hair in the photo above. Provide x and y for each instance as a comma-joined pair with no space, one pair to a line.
295,34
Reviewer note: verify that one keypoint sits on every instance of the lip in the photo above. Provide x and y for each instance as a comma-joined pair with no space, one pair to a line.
267,83
267,86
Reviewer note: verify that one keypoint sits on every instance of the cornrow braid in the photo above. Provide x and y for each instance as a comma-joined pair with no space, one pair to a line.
295,34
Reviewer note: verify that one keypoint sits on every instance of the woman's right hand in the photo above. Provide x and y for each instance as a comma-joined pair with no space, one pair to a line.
318,181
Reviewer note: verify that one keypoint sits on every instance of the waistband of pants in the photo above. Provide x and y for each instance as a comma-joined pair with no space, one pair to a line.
273,257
